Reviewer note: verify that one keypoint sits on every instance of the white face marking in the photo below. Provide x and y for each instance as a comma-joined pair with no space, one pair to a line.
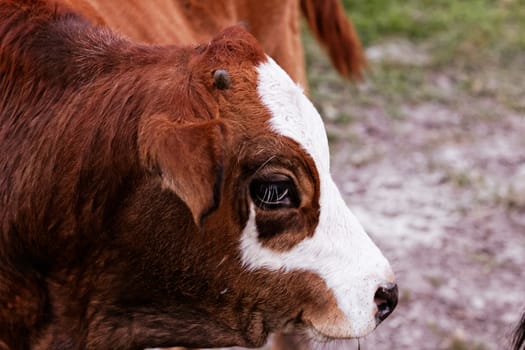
340,251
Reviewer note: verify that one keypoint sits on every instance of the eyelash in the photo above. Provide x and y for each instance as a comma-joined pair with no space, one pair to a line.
271,194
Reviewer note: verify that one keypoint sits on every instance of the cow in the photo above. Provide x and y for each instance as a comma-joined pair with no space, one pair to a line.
275,24
518,340
156,196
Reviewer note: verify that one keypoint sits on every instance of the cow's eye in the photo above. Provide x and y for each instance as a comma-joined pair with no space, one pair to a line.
274,192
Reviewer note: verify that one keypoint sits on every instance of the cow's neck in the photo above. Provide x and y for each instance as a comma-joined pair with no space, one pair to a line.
68,88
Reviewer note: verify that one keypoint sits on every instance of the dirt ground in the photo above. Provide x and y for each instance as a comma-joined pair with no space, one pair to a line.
439,184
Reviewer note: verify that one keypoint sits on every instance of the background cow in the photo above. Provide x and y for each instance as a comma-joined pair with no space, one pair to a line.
158,196
275,24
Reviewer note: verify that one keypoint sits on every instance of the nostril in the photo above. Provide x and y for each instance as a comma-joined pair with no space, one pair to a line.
386,301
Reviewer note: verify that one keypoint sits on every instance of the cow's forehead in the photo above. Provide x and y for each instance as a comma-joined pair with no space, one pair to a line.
293,115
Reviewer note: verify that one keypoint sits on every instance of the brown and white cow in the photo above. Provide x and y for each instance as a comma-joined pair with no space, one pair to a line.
274,23
159,196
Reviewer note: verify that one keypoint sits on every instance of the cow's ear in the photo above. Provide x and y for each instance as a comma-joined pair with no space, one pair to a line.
188,157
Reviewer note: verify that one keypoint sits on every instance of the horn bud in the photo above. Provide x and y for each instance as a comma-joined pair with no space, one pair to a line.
221,79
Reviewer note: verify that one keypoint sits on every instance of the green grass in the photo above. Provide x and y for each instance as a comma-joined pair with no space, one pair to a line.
474,29
476,47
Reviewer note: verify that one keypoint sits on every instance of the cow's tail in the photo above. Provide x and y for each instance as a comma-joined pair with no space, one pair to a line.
328,22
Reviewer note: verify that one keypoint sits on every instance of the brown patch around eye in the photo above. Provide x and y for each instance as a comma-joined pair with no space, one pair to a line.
282,230
272,225
282,185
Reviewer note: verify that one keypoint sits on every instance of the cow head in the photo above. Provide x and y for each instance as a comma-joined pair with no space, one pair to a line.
264,239
158,196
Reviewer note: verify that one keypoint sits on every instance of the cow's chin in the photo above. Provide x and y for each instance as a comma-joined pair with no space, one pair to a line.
336,327
322,337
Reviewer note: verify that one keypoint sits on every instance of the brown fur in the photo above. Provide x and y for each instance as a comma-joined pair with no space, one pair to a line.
518,340
275,24
102,246
290,341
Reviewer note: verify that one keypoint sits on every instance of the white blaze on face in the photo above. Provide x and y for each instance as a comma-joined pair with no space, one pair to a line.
340,251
